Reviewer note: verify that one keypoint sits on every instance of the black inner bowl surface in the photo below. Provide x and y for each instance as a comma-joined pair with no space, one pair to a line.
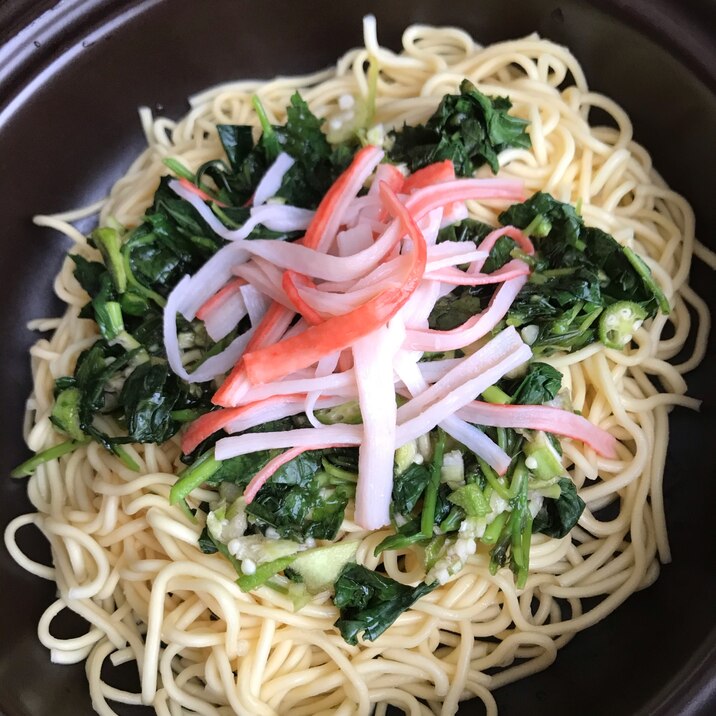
70,83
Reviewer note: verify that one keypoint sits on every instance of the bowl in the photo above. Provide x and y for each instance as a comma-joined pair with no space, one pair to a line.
73,74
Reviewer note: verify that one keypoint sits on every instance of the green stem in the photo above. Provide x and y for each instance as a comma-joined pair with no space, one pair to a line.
494,529
646,276
194,476
52,453
179,169
539,226
502,438
493,480
496,395
338,472
431,491
266,126
186,415
520,525
264,572
125,457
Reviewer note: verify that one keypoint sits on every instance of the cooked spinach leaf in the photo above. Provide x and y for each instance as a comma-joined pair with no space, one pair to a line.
456,307
540,384
469,128
408,488
317,162
578,272
125,376
370,602
297,503
465,230
557,517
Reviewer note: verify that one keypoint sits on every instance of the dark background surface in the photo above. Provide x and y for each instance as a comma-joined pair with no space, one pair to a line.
71,77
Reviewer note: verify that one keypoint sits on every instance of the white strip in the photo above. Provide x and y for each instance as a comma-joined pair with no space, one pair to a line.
500,347
277,217
373,366
256,303
437,412
214,366
225,316
302,437
271,181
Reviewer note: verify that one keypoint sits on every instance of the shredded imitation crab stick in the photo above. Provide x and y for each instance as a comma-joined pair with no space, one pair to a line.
340,332
363,280
347,185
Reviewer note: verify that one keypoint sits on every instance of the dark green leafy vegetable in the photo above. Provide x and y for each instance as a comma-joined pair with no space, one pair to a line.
557,517
408,488
578,273
465,230
469,128
149,396
299,501
540,385
464,302
300,510
125,376
370,602
455,308
500,254
317,164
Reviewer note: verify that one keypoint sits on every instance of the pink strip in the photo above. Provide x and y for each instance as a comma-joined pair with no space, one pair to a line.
542,417
474,328
260,478
455,277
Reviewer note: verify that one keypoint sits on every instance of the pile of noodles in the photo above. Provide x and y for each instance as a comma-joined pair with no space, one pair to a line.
129,564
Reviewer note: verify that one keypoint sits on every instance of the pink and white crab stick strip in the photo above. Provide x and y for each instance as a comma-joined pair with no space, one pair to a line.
437,412
491,354
541,417
474,328
373,366
471,376
473,438
301,258
338,434
235,420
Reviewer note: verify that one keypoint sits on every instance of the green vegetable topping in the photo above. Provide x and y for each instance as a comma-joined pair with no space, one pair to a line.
370,602
469,128
619,322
